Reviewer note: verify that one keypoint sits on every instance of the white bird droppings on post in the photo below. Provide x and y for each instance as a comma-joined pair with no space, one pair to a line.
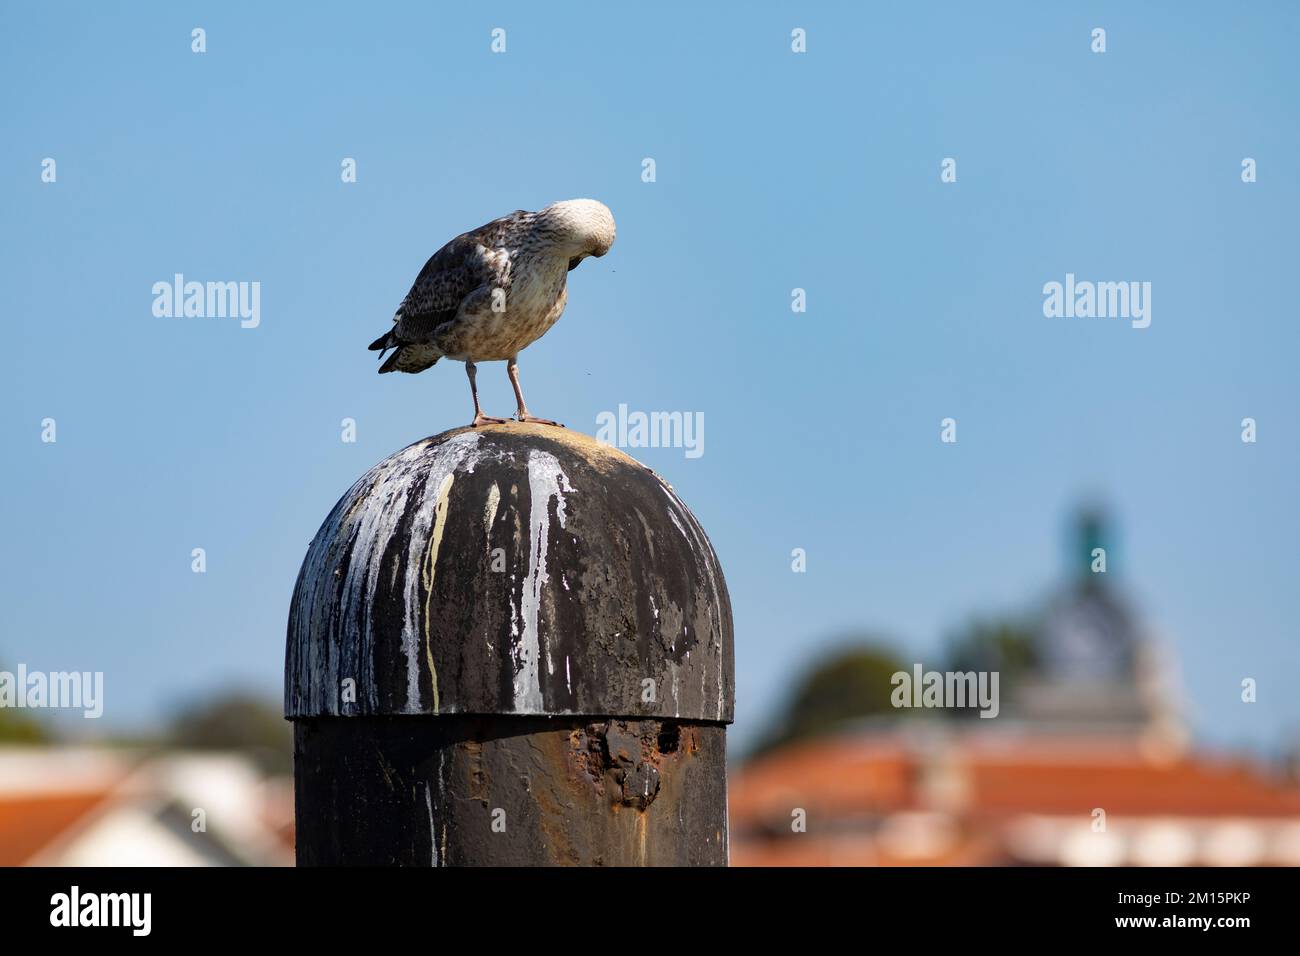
545,481
490,509
433,833
399,579
430,568
700,542
357,533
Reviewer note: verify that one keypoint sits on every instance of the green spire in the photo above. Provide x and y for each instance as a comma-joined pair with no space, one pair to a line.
1091,532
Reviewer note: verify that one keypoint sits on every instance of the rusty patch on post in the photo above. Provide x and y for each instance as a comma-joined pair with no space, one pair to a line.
626,758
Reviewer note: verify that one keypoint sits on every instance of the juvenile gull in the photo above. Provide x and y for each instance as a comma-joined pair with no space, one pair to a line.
493,291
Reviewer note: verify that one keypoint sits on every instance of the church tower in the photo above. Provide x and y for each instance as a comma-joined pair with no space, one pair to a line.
1098,671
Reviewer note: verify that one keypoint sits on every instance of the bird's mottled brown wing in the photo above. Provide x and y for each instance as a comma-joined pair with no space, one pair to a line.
452,274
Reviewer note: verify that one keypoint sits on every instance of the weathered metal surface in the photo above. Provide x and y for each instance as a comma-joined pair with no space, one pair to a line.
516,569
500,790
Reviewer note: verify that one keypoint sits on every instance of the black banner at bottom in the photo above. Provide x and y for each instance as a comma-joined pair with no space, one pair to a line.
338,906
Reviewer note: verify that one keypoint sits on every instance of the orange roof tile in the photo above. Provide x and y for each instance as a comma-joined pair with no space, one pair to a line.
29,822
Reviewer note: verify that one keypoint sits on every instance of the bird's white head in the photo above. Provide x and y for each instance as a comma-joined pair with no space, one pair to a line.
583,227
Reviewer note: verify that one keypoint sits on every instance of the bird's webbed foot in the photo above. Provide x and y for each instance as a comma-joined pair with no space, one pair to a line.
480,419
533,420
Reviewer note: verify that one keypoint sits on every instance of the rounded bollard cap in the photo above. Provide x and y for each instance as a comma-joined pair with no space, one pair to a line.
512,569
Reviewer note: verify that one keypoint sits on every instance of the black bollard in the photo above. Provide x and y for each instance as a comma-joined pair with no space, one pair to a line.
510,645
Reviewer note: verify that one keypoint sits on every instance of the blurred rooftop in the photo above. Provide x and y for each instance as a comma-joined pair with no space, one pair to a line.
71,806
979,798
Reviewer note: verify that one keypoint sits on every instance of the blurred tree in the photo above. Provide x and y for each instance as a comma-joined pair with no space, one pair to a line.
18,728
1004,645
237,720
844,686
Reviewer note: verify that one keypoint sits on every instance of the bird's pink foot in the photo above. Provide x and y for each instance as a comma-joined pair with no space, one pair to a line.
531,420
481,419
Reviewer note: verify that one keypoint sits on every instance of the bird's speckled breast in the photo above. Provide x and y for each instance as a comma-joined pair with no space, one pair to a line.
534,298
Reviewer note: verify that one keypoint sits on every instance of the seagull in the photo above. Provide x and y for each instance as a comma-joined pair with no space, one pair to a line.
493,291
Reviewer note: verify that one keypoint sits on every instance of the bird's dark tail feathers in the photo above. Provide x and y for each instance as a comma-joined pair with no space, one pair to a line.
408,357
411,358
381,345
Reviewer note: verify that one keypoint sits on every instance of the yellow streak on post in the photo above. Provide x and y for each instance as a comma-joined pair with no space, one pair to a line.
430,564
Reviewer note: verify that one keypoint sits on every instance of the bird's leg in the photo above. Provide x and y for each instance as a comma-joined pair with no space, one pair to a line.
479,417
512,369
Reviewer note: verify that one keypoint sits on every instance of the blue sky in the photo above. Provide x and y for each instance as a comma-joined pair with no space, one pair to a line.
774,171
